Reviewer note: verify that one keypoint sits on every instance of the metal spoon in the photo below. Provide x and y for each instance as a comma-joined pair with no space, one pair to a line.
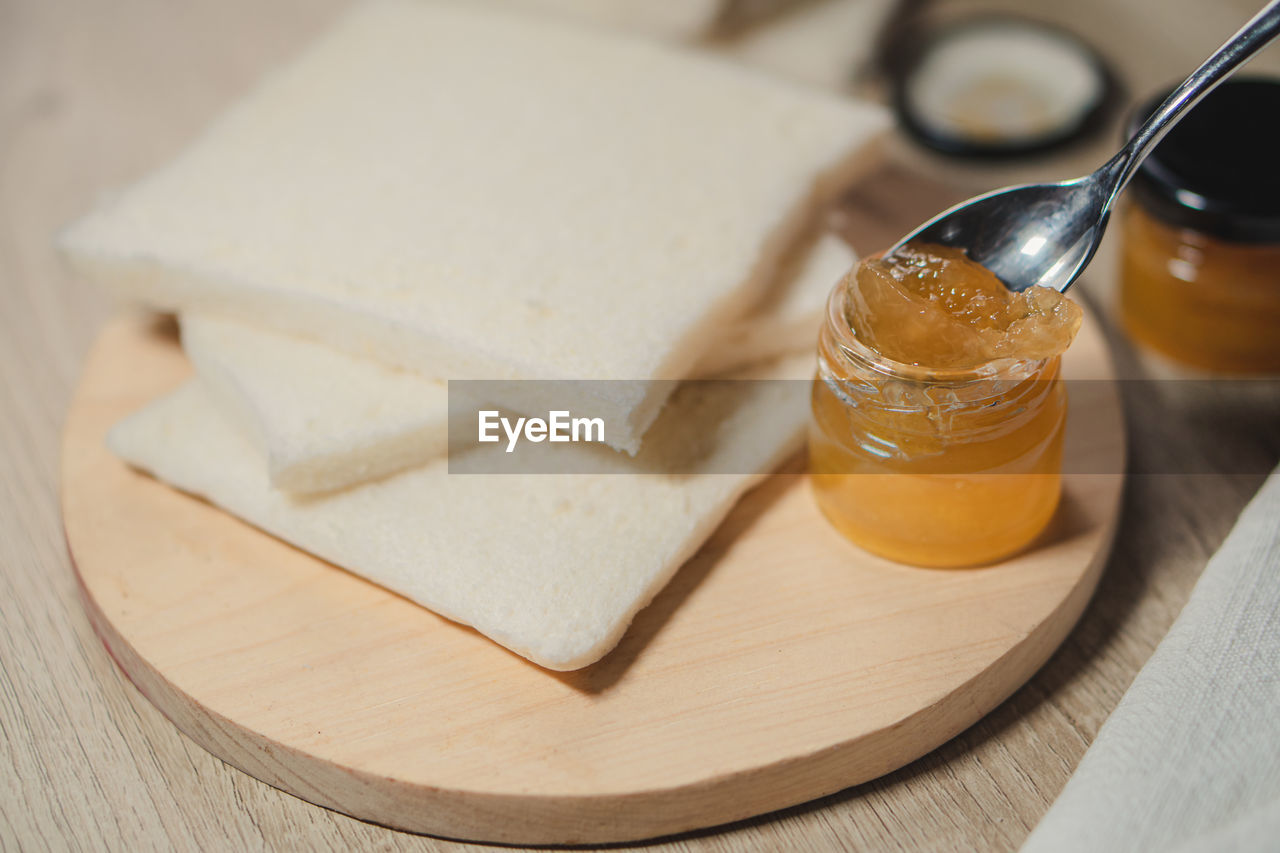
1046,233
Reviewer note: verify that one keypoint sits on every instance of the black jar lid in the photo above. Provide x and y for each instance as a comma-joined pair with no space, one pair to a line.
1218,170
996,86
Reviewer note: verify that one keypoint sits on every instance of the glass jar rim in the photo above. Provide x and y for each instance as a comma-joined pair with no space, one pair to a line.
847,341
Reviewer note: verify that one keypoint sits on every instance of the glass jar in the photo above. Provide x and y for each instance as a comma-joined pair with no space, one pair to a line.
940,468
1200,261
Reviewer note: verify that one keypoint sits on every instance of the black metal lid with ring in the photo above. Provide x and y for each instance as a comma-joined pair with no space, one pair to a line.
1218,171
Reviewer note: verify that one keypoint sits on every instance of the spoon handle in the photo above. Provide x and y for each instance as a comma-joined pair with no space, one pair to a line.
1252,37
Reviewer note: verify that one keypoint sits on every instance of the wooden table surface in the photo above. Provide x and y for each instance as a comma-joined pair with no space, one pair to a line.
93,94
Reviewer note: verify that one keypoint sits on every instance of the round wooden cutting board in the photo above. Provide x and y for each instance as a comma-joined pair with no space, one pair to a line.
781,664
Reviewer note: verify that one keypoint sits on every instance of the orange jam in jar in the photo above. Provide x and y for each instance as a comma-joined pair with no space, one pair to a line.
1200,259
1200,300
938,412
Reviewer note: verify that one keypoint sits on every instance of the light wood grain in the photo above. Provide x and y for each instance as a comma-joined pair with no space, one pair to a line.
92,94
782,664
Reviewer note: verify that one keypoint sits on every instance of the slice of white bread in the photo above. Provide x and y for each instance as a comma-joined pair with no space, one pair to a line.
322,419
552,566
326,420
451,188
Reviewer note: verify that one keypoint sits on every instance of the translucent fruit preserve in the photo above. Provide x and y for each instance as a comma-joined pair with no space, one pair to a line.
938,412
1200,300
1200,254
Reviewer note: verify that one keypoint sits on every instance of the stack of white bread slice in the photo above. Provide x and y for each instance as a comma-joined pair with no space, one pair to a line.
439,191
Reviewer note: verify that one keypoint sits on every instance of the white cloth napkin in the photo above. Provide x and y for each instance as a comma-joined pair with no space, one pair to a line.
1190,759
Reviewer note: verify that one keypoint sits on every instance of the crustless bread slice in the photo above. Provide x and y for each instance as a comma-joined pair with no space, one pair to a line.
461,191
326,420
552,566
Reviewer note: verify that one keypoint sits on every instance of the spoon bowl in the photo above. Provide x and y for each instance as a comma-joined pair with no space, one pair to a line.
1032,234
